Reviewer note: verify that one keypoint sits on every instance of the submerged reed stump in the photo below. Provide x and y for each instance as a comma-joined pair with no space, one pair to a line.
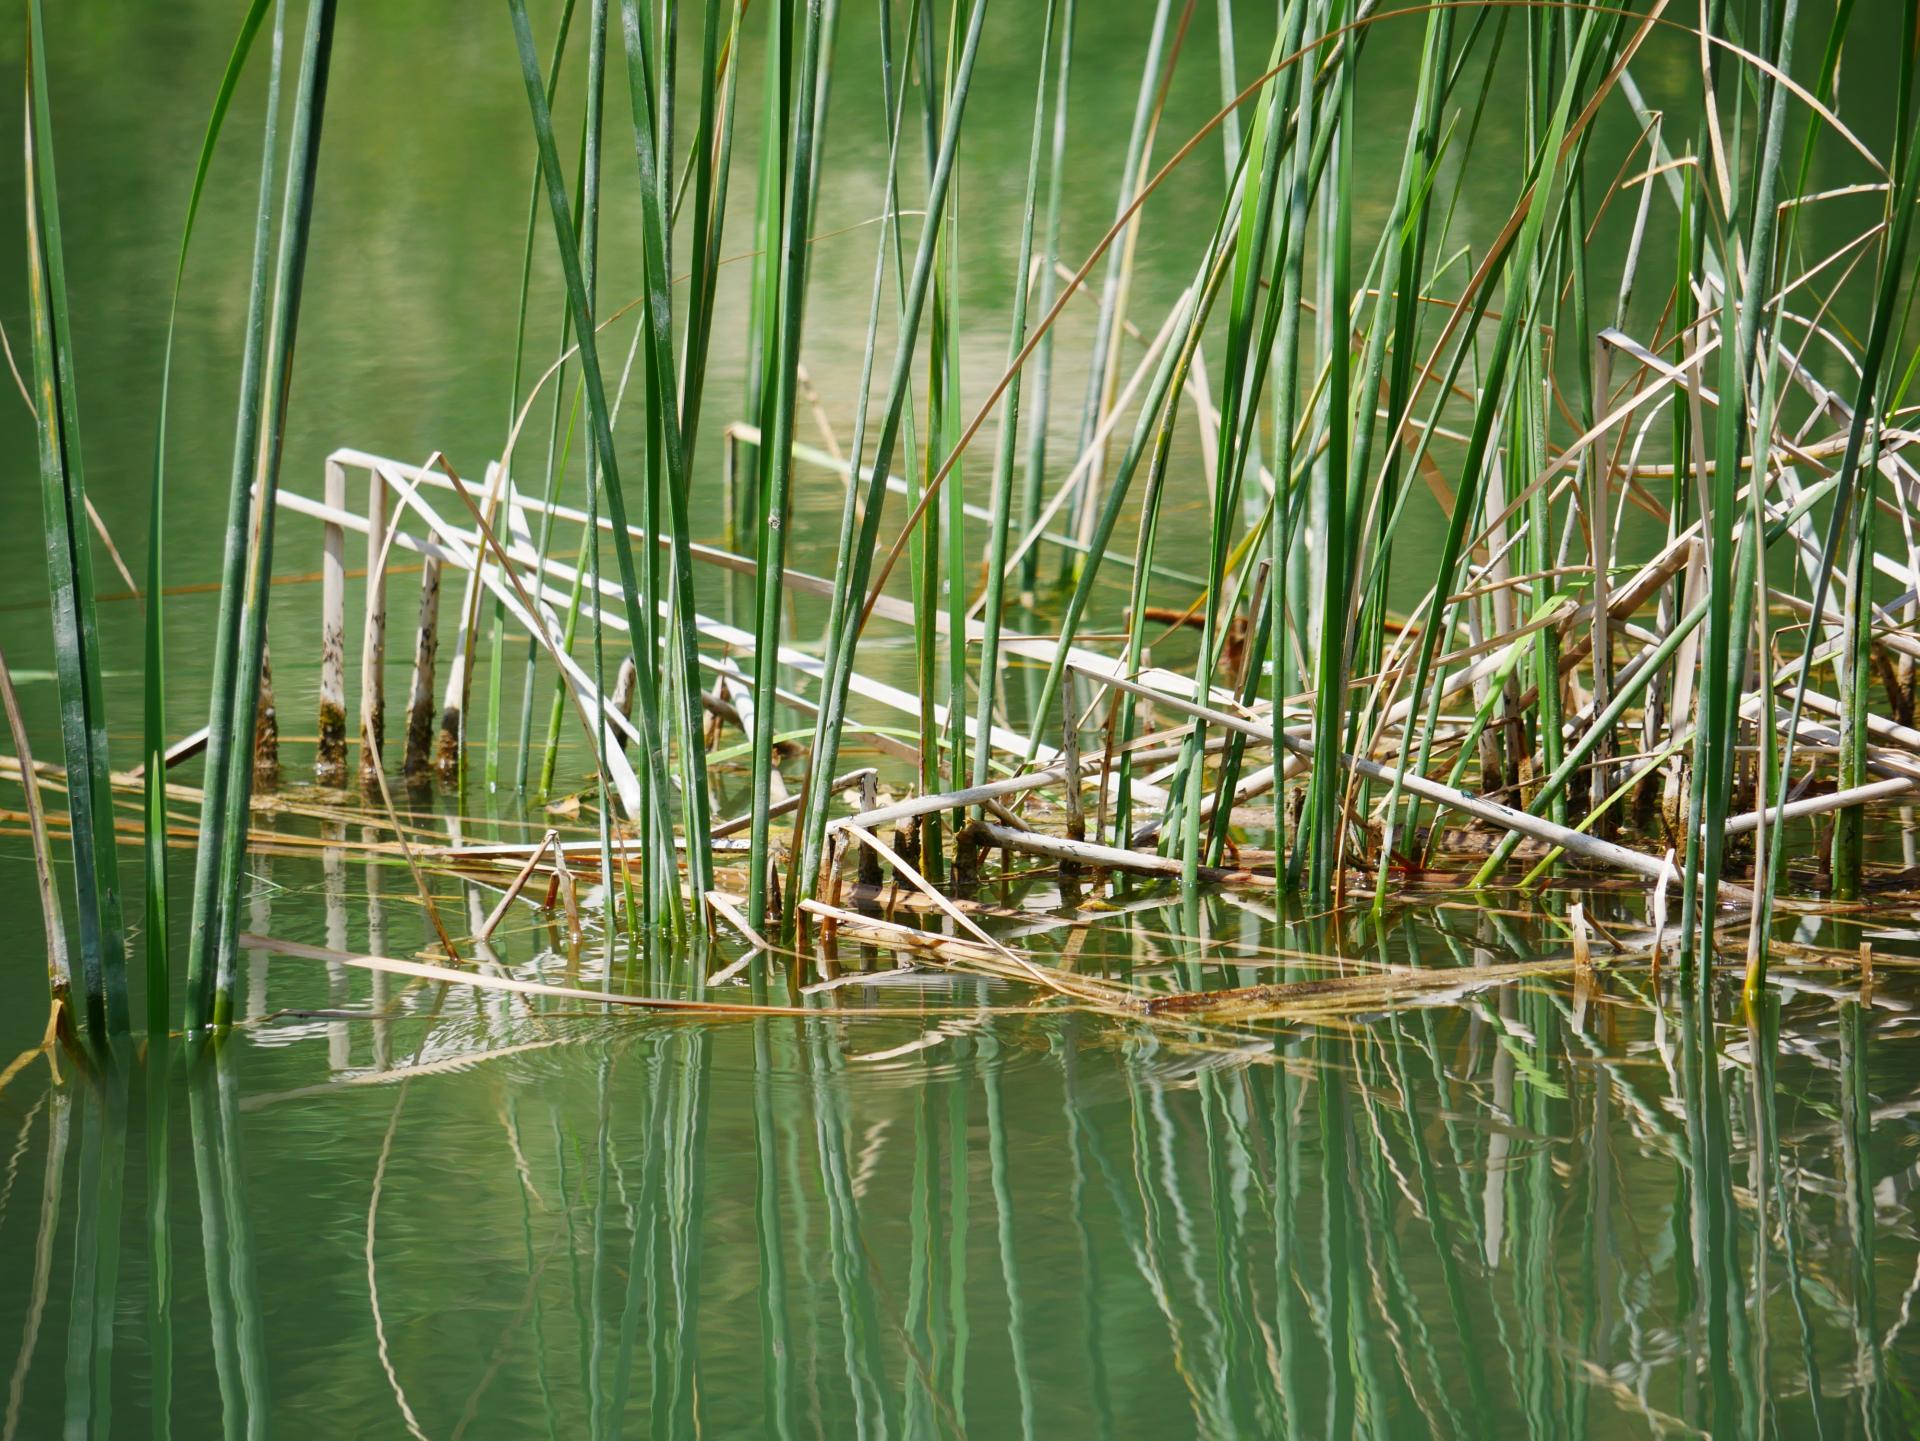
419,752
266,728
459,693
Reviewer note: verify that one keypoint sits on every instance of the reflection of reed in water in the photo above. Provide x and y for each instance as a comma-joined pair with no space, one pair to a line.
333,872
381,1028
260,922
226,1232
158,1144
59,1108
1538,1212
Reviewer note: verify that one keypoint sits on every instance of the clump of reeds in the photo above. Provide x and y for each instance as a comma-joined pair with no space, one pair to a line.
1648,440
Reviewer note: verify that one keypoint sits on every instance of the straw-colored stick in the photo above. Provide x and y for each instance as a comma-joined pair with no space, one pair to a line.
419,752
373,637
330,754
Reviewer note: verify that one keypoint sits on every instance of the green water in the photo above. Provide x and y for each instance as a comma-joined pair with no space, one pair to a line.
1527,1212
383,1208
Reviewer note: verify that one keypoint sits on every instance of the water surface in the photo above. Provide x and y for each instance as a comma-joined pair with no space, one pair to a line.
1541,1209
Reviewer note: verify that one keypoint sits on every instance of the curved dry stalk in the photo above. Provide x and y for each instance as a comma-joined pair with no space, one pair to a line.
59,962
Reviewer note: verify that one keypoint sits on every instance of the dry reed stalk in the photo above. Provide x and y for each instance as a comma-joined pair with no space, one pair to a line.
330,752
373,636
59,960
516,885
419,749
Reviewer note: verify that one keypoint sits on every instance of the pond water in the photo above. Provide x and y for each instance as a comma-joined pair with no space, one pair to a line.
1542,1209
1539,1205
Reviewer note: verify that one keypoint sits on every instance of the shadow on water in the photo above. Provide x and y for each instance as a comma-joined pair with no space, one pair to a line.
1546,1210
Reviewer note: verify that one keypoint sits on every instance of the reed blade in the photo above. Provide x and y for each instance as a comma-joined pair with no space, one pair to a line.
296,221
156,940
227,733
76,639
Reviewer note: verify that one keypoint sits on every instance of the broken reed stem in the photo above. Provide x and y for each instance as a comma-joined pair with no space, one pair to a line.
330,750
373,636
517,884
419,751
266,727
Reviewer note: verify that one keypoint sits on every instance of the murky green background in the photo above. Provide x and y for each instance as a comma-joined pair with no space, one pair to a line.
1540,1210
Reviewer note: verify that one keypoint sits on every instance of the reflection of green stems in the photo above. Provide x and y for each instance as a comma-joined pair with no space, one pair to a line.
1763,1041
573,1249
1535,1189
1077,1144
533,1278
159,1242
956,1230
1156,1184
593,1345
1003,1213
1288,1304
1405,1319
1596,1247
775,1345
688,1164
1231,1276
215,1250
1334,1249
874,1409
1437,1216
248,1333
1856,1134
642,1271
1719,1289
96,1253
919,1323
